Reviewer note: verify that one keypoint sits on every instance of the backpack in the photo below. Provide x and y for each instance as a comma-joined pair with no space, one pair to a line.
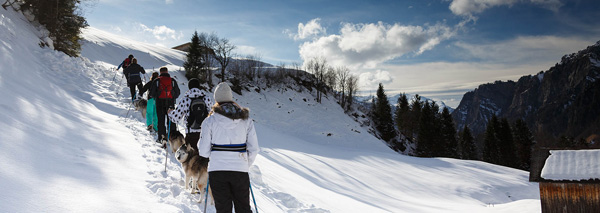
126,63
165,87
198,113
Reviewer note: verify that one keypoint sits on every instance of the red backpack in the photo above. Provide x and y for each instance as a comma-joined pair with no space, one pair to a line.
165,86
126,62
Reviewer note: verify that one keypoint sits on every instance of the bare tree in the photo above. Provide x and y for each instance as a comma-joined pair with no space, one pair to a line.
343,74
330,78
238,68
352,85
207,54
280,72
9,3
259,65
223,54
253,66
317,67
296,66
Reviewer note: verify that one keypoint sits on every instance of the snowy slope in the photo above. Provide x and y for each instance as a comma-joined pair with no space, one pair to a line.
70,144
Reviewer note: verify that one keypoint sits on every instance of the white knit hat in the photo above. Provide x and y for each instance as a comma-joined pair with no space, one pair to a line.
223,93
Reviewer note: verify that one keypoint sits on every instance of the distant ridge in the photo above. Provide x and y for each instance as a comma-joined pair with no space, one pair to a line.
562,101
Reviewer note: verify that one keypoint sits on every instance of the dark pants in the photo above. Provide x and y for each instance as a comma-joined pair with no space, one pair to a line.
132,89
229,188
162,107
191,139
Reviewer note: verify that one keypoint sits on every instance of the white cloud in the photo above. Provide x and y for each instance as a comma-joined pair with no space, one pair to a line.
525,49
162,32
115,29
244,50
368,45
553,5
169,1
471,7
369,80
505,60
444,81
308,30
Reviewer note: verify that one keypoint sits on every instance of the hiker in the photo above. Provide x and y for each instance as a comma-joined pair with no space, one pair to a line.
133,73
165,91
228,138
151,119
126,62
193,108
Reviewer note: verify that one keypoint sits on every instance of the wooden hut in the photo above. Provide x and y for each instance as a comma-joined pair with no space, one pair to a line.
569,180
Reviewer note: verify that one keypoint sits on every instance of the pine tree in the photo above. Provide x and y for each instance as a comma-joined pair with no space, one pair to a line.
383,115
437,142
402,115
193,62
427,132
416,107
467,148
506,145
491,150
524,142
449,134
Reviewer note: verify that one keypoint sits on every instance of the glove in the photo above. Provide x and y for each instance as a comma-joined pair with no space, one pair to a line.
204,161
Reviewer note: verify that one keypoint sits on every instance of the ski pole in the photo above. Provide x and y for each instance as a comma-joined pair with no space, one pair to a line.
206,194
128,109
168,138
114,76
254,199
112,82
123,76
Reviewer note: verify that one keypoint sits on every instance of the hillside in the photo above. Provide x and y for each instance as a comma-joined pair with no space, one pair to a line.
561,101
71,143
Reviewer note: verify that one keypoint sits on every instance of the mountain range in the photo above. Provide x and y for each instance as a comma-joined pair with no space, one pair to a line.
563,101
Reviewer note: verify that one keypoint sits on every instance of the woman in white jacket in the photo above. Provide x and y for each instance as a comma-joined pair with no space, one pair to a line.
229,140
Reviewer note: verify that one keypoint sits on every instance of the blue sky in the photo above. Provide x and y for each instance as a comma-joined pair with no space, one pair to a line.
438,49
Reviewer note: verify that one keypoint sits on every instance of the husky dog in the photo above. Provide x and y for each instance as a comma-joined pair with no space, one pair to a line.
195,169
140,105
176,139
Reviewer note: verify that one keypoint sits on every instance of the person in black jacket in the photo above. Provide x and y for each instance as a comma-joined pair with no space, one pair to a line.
165,91
133,73
151,119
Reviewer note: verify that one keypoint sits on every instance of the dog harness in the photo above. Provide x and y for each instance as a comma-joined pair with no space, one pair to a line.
229,147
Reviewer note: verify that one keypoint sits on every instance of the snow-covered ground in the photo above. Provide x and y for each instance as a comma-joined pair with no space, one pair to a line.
70,142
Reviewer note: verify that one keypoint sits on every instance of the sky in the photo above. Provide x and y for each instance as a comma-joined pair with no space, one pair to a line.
72,142
439,49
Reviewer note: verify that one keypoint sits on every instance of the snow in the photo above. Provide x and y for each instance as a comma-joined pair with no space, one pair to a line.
572,165
72,143
540,77
595,62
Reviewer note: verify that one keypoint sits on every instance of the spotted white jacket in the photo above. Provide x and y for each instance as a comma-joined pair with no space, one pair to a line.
182,111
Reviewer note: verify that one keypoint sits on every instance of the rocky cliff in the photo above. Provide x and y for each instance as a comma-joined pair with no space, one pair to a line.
562,101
